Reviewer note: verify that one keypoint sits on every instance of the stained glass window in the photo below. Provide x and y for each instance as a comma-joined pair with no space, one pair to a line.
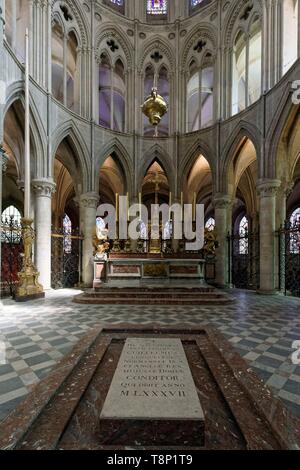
11,213
67,226
195,3
295,232
210,224
11,225
157,7
120,3
243,234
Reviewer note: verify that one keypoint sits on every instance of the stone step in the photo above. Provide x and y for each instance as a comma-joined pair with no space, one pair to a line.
199,300
144,295
151,291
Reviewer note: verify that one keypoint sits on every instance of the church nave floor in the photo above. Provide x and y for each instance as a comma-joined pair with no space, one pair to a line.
37,334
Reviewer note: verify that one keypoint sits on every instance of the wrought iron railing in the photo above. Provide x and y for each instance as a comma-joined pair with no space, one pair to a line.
289,258
66,254
243,254
11,251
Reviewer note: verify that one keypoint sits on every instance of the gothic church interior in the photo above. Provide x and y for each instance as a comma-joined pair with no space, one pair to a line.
228,72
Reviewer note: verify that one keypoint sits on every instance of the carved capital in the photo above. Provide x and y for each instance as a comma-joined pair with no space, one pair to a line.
268,188
44,187
89,200
288,187
222,201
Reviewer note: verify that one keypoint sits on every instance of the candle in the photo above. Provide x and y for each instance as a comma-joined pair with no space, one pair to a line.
127,200
181,202
194,208
117,207
27,134
140,204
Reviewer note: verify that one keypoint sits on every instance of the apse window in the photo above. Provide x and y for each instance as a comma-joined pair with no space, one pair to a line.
210,224
243,236
11,214
11,224
157,7
195,4
118,5
67,227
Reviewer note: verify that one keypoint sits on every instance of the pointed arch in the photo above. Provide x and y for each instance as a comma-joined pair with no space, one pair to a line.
82,171
198,148
15,92
203,31
157,43
153,154
112,31
282,122
243,130
115,147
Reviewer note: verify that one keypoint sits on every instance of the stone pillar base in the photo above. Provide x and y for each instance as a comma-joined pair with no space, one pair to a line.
99,274
27,298
267,292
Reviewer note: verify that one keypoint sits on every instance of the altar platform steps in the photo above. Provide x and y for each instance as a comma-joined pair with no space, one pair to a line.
153,296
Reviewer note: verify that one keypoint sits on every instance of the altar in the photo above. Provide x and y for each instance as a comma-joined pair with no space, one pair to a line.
148,269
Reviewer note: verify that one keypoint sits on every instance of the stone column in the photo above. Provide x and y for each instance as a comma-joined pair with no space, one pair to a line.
267,190
3,162
43,194
280,241
223,215
65,77
88,209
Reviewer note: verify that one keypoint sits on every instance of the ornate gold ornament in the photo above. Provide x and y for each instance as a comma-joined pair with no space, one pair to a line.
210,242
28,285
154,107
155,270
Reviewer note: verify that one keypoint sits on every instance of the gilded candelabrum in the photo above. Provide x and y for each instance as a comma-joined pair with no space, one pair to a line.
154,107
28,285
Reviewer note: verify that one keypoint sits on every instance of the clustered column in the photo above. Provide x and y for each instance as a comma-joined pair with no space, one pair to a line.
267,190
88,209
223,215
43,195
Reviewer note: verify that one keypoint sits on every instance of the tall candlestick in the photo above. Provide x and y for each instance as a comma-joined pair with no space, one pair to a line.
140,204
27,133
181,202
127,206
170,204
117,207
194,208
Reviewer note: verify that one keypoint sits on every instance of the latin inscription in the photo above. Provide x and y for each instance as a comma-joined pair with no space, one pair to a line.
152,380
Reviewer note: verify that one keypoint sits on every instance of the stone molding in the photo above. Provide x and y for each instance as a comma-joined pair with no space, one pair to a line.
89,200
268,188
44,187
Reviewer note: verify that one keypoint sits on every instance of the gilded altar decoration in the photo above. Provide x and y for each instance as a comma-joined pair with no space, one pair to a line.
210,242
156,270
100,240
154,107
28,279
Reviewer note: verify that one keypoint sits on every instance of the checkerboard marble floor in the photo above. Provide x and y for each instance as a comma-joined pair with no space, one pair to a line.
37,334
